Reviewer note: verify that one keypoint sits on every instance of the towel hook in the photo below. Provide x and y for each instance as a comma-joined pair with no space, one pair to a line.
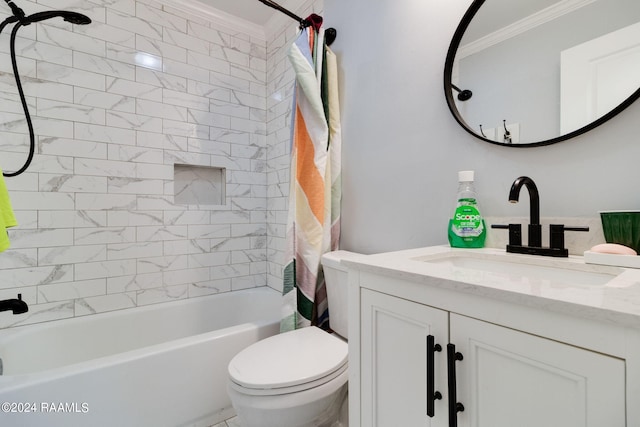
463,94
507,134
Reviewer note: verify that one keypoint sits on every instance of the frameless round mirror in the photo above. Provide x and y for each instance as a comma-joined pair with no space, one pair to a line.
535,72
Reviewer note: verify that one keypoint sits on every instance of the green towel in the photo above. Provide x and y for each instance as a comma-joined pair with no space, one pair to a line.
7,219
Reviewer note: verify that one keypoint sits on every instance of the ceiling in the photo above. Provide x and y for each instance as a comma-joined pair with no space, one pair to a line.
251,10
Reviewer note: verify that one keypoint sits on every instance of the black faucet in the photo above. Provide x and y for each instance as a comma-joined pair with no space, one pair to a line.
535,229
556,237
16,305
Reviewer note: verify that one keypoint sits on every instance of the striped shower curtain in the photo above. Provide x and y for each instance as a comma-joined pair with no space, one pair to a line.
313,225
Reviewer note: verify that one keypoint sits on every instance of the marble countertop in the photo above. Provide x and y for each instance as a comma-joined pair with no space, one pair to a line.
571,286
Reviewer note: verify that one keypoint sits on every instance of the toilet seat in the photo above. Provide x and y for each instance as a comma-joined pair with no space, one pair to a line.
289,362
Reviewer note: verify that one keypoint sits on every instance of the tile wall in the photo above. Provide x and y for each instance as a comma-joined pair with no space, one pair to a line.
115,105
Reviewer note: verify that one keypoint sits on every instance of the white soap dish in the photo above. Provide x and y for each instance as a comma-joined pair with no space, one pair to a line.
629,261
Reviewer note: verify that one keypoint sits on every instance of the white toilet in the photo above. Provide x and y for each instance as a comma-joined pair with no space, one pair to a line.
298,378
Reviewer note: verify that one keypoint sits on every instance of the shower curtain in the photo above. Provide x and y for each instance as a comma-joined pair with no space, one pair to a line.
313,225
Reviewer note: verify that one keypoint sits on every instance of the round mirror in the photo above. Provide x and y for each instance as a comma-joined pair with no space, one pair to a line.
535,72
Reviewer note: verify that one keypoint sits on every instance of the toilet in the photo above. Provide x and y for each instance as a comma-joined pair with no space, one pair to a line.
298,378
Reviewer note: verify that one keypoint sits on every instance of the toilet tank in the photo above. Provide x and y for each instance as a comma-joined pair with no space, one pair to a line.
335,276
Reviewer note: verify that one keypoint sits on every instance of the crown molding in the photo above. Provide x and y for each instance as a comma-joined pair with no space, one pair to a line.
217,16
545,15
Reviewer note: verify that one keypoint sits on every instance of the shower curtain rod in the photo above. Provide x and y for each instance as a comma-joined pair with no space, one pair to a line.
276,6
330,33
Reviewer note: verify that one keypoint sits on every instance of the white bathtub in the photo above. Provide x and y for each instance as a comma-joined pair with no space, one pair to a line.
161,365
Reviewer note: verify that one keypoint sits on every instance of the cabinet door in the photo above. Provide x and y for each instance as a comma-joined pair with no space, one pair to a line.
394,361
509,378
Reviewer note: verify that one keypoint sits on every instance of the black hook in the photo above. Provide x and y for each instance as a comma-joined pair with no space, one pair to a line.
507,134
330,36
463,94
481,132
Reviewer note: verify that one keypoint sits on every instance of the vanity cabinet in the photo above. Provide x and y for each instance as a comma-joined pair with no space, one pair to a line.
394,380
506,376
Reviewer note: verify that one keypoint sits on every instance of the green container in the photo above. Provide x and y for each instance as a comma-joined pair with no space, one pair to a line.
467,228
622,227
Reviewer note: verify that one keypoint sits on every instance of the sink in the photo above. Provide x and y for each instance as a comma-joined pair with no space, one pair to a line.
523,268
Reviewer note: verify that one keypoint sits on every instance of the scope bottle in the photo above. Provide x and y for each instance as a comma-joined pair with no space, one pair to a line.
467,228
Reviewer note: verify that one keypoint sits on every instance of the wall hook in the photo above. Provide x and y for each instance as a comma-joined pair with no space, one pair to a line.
330,36
507,134
463,94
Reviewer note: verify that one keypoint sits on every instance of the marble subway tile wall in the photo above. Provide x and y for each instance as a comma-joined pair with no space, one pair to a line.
280,84
115,105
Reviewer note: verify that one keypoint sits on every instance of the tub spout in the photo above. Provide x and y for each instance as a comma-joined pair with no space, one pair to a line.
16,305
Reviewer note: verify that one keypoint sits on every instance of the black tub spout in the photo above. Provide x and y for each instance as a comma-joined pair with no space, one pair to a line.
16,305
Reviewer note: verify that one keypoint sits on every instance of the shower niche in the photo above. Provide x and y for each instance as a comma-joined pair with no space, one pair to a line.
199,185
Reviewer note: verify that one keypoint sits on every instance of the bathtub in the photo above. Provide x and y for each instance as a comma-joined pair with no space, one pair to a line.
160,365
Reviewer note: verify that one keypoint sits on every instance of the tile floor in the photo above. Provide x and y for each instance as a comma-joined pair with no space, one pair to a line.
231,422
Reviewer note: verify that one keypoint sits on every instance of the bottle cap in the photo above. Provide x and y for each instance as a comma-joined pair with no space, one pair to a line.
465,176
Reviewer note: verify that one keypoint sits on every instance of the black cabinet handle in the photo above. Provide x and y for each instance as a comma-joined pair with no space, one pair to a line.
454,405
432,394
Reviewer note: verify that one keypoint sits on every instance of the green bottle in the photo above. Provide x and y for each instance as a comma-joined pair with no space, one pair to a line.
467,228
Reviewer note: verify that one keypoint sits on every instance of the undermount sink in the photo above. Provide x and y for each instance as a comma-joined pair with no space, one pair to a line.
524,268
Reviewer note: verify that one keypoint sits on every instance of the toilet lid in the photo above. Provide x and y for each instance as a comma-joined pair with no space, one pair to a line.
289,359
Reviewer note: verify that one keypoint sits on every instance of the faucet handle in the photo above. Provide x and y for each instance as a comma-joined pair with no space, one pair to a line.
515,233
576,228
556,234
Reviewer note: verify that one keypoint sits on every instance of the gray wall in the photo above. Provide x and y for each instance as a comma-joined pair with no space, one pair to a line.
402,148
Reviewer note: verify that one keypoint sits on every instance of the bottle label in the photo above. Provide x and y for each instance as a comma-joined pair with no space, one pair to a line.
467,221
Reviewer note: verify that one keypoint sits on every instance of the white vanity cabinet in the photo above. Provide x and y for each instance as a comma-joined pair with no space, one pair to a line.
519,366
394,378
511,378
